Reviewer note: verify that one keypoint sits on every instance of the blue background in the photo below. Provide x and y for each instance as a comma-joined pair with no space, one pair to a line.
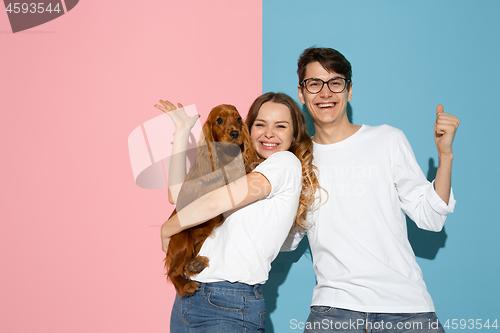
407,57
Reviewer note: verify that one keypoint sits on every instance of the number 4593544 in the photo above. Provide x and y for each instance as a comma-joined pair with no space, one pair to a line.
31,7
470,324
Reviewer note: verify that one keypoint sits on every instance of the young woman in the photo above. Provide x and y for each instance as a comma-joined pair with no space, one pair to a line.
261,208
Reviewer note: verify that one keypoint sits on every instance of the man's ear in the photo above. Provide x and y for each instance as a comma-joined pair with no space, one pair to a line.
349,94
301,94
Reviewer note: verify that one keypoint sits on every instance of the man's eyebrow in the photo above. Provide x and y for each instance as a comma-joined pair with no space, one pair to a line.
317,78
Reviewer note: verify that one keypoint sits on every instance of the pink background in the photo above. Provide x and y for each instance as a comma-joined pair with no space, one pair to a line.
79,240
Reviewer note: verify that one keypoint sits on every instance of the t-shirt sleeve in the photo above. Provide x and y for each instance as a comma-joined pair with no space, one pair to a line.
418,198
292,241
283,171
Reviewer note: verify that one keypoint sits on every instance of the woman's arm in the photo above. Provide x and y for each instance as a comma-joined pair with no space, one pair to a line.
177,168
239,193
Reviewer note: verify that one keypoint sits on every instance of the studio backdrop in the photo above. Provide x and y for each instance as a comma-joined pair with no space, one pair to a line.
80,242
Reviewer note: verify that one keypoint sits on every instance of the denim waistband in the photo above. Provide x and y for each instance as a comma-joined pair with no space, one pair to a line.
232,287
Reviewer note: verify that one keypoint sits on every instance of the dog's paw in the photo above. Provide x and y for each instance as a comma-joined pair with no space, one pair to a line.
198,264
191,287
195,266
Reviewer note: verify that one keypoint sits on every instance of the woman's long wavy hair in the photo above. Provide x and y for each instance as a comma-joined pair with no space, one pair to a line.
302,147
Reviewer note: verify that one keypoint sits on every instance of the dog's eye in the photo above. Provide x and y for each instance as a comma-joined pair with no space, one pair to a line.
239,120
219,120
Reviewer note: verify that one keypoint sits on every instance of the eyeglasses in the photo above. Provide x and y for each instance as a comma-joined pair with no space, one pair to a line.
336,84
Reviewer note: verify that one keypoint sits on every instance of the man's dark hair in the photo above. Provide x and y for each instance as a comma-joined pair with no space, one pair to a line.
331,60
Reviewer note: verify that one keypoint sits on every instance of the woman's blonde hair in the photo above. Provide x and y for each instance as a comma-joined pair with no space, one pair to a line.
302,147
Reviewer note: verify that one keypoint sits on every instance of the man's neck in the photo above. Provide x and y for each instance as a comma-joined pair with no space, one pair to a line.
332,133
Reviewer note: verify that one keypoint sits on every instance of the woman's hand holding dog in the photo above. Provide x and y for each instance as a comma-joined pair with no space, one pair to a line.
164,244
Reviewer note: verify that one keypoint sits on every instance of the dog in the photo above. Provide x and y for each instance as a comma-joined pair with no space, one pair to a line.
225,136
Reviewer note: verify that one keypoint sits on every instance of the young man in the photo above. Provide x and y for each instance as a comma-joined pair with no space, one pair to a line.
367,275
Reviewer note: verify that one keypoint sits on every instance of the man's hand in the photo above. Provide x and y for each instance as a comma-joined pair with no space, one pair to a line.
444,131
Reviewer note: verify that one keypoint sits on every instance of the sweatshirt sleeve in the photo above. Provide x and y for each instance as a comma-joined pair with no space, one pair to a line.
418,198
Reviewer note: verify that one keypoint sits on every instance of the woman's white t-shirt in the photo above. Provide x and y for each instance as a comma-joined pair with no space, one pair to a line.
243,247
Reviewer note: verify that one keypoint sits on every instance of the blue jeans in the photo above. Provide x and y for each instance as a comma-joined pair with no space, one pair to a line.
220,307
326,319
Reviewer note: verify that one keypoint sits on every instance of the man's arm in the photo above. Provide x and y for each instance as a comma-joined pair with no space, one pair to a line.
445,128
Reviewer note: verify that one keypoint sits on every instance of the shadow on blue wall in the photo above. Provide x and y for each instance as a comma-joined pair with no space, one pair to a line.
426,244
277,276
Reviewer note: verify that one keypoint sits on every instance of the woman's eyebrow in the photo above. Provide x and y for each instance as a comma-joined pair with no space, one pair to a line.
279,121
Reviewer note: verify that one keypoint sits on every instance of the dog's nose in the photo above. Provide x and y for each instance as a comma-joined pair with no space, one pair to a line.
234,134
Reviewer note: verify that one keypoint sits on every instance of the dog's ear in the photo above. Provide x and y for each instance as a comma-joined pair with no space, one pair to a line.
214,157
204,163
250,157
207,132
